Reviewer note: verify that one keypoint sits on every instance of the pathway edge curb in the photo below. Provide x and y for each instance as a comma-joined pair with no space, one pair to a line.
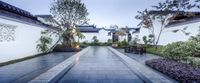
145,75
55,73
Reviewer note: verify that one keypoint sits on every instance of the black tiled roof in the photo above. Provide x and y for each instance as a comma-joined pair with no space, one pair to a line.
20,15
44,16
172,12
88,28
112,30
16,10
184,21
127,29
180,17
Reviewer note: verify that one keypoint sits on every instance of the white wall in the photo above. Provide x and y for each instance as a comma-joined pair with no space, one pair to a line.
102,36
168,36
26,37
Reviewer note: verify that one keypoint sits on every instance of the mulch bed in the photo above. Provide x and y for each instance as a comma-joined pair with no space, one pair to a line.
182,72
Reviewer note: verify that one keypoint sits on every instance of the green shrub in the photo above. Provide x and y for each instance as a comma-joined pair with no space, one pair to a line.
181,50
192,48
155,51
172,51
109,42
119,45
148,40
195,61
122,44
84,44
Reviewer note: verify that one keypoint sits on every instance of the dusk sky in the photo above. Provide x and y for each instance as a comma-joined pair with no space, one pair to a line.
101,12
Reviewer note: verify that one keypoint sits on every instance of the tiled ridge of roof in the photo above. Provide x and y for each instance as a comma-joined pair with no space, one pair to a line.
20,15
170,11
16,10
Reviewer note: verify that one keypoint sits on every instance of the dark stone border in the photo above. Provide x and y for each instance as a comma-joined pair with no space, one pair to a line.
22,59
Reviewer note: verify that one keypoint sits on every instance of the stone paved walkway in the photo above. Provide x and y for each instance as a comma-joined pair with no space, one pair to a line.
24,71
142,59
100,65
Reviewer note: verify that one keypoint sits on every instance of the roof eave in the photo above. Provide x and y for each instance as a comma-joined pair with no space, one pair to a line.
184,22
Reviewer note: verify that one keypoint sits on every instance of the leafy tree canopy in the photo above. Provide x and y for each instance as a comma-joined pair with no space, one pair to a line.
69,11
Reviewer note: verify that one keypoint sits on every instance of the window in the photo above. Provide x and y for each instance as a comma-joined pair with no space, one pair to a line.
7,33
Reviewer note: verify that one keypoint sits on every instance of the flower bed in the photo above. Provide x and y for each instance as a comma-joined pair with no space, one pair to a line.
182,72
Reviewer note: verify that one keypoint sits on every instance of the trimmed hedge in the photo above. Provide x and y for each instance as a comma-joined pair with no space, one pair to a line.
182,72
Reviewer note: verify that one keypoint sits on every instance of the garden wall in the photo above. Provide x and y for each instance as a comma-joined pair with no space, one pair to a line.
19,39
168,36
102,36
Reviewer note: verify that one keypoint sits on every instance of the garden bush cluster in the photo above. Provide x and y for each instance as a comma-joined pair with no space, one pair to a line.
182,60
122,44
153,50
182,72
181,50
85,44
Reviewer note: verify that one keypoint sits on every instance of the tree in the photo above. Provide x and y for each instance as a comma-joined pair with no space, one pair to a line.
146,22
135,40
148,17
79,35
144,38
95,40
109,41
148,40
68,14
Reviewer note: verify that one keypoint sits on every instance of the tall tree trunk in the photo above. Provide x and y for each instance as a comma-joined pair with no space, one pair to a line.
157,41
51,48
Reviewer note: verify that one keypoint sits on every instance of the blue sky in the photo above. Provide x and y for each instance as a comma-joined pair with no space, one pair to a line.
102,12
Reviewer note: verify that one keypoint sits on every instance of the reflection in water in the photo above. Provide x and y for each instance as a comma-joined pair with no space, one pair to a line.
24,71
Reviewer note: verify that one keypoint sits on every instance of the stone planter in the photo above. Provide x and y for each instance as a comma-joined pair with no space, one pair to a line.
135,49
60,48
128,49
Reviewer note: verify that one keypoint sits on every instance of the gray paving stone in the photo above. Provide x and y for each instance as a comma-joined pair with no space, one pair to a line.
100,65
128,81
88,81
70,81
136,64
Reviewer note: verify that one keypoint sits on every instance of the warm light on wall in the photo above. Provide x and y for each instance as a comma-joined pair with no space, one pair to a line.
73,30
77,46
